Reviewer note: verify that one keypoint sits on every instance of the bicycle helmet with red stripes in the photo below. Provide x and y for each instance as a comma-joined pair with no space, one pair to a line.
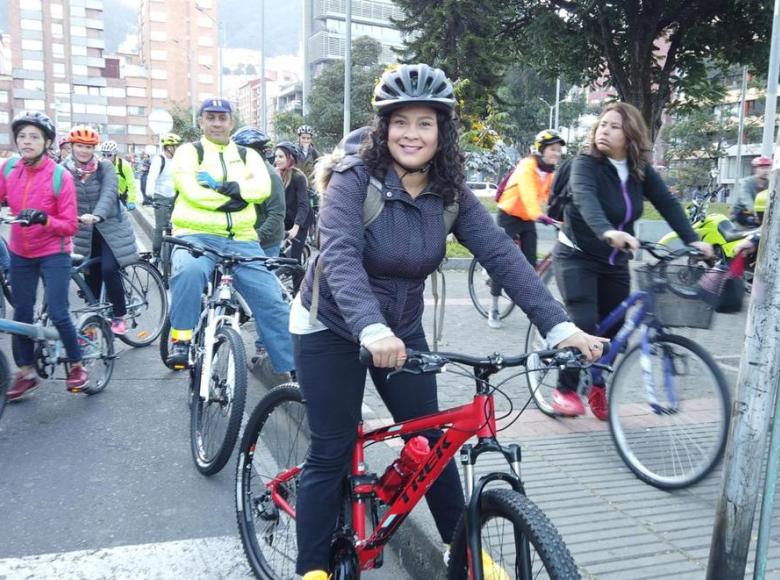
84,135
413,84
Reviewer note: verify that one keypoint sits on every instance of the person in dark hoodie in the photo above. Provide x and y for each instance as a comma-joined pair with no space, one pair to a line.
370,293
608,185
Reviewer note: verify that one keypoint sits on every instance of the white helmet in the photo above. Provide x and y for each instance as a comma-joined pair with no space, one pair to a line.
108,147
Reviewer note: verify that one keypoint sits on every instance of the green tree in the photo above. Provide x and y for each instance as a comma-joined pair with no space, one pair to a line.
651,52
326,102
182,123
285,124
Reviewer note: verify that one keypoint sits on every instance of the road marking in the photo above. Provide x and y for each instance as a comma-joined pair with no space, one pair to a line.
216,557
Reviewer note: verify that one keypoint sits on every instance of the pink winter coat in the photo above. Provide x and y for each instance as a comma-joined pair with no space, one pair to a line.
33,187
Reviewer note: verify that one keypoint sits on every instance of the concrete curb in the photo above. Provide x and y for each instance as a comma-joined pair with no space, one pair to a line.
145,221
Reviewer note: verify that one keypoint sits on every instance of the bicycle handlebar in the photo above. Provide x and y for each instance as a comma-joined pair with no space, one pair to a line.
196,250
665,253
14,220
418,362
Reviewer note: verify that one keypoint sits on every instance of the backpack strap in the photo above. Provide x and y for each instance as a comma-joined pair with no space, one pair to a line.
8,166
199,150
162,163
374,202
56,176
242,153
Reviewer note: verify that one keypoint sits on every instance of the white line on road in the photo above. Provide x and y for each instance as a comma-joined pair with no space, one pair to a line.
218,557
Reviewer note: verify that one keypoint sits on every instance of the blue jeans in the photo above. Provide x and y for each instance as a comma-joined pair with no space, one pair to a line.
254,282
55,271
272,251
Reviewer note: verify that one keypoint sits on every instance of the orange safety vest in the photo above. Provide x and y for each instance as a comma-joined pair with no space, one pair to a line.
526,192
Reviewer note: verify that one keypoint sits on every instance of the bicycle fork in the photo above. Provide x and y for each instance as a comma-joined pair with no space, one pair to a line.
214,320
468,458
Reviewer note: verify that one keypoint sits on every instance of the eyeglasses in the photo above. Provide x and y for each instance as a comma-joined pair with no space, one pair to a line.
107,154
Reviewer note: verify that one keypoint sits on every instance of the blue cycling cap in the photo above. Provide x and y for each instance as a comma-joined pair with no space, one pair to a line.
216,106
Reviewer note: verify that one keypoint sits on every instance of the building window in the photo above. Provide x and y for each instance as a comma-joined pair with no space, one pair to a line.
78,11
80,70
4,117
159,74
136,111
32,64
28,44
116,129
33,85
79,108
3,97
34,105
205,22
159,35
80,31
29,24
205,78
117,111
136,129
155,16
61,88
56,30
77,50
205,41
159,54
57,50
136,92
206,60
55,11
58,69
159,93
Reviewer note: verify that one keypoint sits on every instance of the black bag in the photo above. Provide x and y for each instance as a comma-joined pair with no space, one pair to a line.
560,196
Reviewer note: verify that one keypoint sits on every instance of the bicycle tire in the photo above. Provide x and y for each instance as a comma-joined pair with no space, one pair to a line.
532,530
6,299
541,379
147,304
165,343
479,292
276,439
638,430
5,381
227,396
97,350
290,278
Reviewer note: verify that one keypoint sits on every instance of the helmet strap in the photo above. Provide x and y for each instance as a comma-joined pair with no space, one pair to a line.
411,170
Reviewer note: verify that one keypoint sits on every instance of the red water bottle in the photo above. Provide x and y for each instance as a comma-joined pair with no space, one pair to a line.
395,477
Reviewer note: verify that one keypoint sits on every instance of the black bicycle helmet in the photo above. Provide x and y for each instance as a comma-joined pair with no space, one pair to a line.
354,140
290,148
547,137
251,137
33,118
413,84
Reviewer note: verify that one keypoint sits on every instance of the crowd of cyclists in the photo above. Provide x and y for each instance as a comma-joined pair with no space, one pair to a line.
233,192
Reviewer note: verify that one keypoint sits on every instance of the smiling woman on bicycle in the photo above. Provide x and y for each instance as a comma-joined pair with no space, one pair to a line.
608,186
105,229
41,250
370,292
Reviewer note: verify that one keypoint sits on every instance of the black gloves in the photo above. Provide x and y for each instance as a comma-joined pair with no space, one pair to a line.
232,190
33,216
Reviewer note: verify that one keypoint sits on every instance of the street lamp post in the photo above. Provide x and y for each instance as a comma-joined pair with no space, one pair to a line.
220,41
551,107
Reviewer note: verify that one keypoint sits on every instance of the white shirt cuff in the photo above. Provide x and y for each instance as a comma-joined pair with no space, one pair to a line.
374,332
561,332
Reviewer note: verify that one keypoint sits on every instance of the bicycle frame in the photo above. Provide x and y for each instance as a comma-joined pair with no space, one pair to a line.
458,424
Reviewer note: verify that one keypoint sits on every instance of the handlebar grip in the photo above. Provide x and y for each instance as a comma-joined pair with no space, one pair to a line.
365,356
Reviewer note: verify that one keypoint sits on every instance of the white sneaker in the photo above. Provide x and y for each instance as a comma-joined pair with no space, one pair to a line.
494,320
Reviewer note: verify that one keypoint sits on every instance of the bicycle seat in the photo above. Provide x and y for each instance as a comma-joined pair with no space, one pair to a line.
76,259
729,232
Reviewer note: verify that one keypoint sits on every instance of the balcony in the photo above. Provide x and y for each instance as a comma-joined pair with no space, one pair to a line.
369,11
325,45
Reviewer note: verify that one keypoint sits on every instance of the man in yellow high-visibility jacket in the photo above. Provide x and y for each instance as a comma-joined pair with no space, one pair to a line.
218,184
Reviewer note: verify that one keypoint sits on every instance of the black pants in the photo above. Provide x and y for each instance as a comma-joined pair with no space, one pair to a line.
590,290
333,380
106,270
299,241
521,230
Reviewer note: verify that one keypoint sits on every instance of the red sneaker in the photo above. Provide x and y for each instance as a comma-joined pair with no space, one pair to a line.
77,378
567,403
597,399
23,383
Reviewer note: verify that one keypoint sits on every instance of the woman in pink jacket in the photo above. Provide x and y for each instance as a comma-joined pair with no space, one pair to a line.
42,248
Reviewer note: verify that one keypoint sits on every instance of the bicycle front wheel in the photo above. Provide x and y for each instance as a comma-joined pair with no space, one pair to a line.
271,454
669,412
518,541
97,351
146,301
479,292
215,421
5,381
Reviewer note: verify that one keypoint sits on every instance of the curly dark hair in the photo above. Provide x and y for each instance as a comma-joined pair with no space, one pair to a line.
446,175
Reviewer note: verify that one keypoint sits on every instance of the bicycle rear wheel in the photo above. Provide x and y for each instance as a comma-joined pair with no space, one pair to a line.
518,538
541,379
215,422
271,453
147,304
479,292
5,381
97,350
678,438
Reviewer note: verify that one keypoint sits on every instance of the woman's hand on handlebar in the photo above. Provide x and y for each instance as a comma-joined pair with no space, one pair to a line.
706,249
621,240
590,346
389,352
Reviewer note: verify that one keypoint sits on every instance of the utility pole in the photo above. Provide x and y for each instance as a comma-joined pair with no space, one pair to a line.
558,101
771,88
348,67
759,373
263,114
740,133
